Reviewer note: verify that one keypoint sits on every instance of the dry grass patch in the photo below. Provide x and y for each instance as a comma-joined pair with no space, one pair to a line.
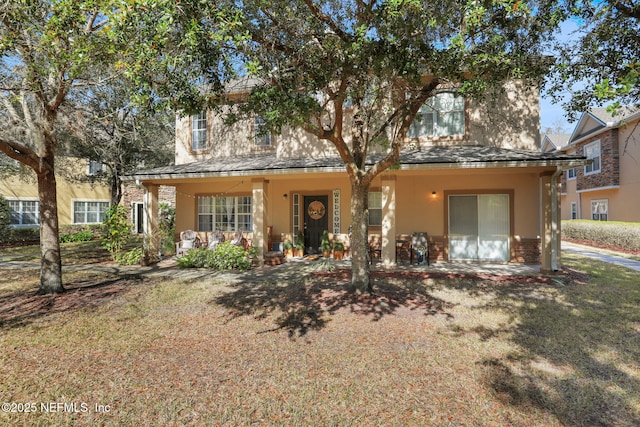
424,350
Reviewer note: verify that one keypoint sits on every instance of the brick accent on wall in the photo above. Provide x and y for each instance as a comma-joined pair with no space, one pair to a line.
131,193
526,251
609,174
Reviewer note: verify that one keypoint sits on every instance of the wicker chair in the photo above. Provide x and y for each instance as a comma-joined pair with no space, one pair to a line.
188,240
217,237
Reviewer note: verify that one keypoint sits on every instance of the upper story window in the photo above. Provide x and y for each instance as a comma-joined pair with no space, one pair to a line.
375,208
199,131
442,115
23,212
592,152
261,135
571,173
95,167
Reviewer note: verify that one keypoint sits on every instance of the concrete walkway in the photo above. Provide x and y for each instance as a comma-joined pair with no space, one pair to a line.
591,252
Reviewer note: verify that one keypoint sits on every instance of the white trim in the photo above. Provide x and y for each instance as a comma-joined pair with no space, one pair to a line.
584,153
610,187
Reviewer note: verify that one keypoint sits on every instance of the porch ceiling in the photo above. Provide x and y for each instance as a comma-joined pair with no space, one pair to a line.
428,158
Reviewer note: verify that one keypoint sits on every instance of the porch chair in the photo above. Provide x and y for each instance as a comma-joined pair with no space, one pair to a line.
217,237
420,245
239,240
188,240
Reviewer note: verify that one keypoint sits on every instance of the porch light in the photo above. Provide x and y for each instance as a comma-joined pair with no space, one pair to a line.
434,194
285,196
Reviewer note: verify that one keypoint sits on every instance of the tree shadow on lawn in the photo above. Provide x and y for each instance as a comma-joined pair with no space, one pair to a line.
303,303
21,308
578,346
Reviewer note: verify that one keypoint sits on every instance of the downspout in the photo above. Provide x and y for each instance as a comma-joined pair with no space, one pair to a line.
555,243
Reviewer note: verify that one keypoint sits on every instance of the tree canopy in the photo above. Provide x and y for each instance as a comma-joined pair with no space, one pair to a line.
601,66
356,72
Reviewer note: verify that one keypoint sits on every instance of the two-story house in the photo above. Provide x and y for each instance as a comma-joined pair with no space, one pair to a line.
472,177
608,187
78,203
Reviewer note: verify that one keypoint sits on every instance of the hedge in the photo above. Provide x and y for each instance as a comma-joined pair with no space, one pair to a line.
621,234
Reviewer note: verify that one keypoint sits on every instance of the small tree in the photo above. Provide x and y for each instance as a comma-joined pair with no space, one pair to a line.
117,230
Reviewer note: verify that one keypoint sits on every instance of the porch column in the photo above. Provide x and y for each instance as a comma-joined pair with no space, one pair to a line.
388,221
151,236
259,213
550,221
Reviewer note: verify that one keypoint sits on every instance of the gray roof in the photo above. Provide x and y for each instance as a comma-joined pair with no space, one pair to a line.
559,140
434,157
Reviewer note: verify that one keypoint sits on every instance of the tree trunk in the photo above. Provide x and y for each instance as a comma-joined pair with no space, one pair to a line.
51,262
360,270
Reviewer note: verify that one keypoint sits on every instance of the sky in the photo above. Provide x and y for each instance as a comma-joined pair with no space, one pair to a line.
550,113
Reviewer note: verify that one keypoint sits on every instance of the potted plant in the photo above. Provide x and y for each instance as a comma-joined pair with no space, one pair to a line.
298,246
288,248
325,244
338,250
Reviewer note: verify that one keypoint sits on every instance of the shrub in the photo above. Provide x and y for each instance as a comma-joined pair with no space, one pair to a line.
623,235
134,256
24,235
78,236
5,219
117,230
225,257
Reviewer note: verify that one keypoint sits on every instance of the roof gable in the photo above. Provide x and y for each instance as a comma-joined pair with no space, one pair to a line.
554,141
588,124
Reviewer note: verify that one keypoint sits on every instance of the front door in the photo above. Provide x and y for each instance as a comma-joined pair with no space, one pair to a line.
316,221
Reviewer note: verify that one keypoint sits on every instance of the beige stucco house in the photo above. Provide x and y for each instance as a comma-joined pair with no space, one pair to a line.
472,177
608,187
78,203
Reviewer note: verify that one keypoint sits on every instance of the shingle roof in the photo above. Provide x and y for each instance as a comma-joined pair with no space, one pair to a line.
446,155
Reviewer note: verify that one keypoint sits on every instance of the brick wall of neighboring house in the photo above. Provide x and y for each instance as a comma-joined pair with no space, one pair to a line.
609,174
131,193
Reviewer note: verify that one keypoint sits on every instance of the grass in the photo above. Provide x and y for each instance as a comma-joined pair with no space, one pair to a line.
425,350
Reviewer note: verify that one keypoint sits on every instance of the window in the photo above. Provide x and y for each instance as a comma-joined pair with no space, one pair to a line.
23,212
574,210
592,152
571,173
441,115
375,208
199,131
261,135
599,210
224,213
94,167
89,212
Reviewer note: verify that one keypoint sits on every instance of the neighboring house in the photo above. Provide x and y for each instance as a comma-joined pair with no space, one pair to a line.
473,178
78,203
608,187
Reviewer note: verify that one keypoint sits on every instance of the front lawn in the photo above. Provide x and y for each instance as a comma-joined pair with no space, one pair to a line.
426,350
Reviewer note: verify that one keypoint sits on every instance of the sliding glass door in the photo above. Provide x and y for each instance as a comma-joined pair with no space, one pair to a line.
479,227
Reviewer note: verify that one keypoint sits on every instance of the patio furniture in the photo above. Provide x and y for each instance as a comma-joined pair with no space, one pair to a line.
375,248
404,250
217,237
239,240
188,240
